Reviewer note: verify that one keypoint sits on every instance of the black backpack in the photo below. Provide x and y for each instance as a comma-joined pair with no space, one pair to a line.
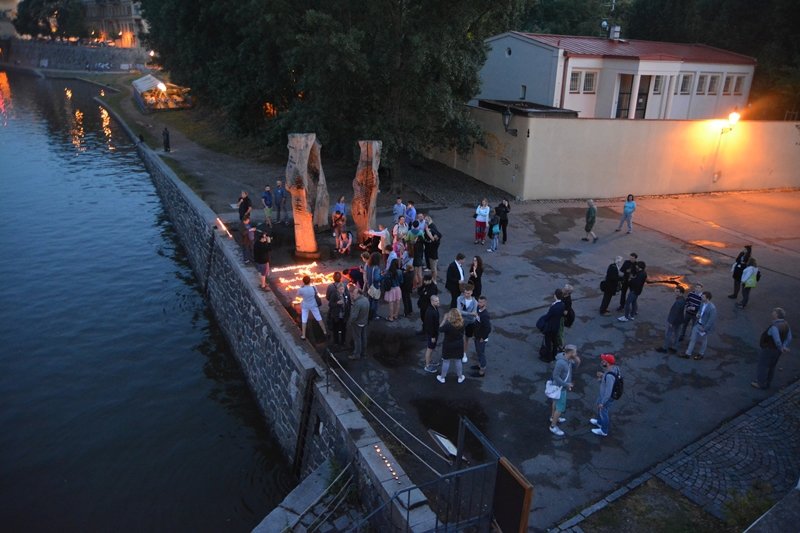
619,386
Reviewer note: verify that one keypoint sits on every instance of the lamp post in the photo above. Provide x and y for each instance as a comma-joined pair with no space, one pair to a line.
507,121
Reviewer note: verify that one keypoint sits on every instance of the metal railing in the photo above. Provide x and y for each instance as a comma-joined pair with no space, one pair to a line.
459,500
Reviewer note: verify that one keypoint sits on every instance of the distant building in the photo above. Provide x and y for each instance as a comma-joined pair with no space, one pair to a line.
616,78
119,21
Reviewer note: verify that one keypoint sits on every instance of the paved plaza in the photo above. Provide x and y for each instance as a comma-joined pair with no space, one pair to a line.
670,404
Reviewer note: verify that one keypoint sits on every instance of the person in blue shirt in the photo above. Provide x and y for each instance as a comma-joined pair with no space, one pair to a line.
411,212
280,203
627,214
266,200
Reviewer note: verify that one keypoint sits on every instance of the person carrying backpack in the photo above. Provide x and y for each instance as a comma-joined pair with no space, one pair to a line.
610,390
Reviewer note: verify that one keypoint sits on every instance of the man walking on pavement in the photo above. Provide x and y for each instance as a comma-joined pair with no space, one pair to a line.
454,279
636,286
359,317
280,203
430,327
774,342
607,377
627,271
706,320
693,302
483,327
610,284
674,321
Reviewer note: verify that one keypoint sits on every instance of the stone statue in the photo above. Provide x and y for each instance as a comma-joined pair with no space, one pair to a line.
305,181
365,186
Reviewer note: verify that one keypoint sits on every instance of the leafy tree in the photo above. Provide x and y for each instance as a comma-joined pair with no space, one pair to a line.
395,70
34,16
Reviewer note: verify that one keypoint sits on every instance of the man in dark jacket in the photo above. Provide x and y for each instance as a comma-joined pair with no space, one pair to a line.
425,291
455,277
483,327
610,284
636,285
627,271
430,326
674,322
552,327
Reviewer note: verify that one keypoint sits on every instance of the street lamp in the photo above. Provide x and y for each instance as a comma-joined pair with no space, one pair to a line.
507,121
733,118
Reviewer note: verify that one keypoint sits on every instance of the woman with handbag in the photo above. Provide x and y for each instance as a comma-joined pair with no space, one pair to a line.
556,389
310,302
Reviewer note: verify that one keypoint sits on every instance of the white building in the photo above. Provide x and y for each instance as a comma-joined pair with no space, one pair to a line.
597,76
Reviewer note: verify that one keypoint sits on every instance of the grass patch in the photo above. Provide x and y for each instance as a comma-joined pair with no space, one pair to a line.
654,507
745,507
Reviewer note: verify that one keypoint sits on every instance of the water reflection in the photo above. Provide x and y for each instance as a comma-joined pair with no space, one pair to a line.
5,98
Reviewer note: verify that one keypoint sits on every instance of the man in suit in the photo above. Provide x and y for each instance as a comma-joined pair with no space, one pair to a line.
552,328
454,279
706,320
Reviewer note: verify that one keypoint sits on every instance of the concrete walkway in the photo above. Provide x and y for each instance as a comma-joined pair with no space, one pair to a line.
669,403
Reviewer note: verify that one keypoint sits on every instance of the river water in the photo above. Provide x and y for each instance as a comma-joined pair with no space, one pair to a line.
121,406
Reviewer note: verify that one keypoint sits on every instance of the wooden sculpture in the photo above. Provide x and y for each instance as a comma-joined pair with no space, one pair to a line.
365,186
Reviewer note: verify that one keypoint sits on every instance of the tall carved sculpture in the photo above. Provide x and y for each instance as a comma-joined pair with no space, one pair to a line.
305,181
365,186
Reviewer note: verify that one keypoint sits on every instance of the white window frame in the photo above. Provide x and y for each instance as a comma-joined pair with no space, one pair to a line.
702,82
658,84
589,75
713,84
727,85
575,79
738,85
687,81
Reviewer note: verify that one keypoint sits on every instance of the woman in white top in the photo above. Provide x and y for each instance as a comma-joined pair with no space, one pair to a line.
481,218
749,280
308,294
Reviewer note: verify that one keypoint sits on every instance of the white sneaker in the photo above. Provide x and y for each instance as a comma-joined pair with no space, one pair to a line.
465,359
461,378
598,431
556,431
623,319
440,379
594,422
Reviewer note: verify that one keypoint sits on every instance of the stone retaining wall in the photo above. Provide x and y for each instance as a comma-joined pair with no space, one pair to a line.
286,378
55,55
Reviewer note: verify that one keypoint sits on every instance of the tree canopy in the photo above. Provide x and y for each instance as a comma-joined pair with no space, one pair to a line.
395,70
34,17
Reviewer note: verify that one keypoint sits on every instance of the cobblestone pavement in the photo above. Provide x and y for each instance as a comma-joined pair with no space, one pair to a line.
761,445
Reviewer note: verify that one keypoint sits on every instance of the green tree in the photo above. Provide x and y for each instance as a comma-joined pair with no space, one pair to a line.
395,70
34,18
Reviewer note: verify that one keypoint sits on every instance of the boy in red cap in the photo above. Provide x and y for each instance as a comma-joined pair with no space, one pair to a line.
607,378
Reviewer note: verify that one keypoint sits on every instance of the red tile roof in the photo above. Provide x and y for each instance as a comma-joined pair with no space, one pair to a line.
635,49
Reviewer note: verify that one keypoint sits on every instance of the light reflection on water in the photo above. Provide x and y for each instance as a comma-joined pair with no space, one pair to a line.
122,407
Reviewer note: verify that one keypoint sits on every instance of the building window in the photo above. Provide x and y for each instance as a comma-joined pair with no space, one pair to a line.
726,87
701,84
713,84
686,83
523,92
658,84
575,81
737,86
589,79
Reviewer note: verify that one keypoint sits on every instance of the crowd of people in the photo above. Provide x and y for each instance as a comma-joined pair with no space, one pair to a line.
400,264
